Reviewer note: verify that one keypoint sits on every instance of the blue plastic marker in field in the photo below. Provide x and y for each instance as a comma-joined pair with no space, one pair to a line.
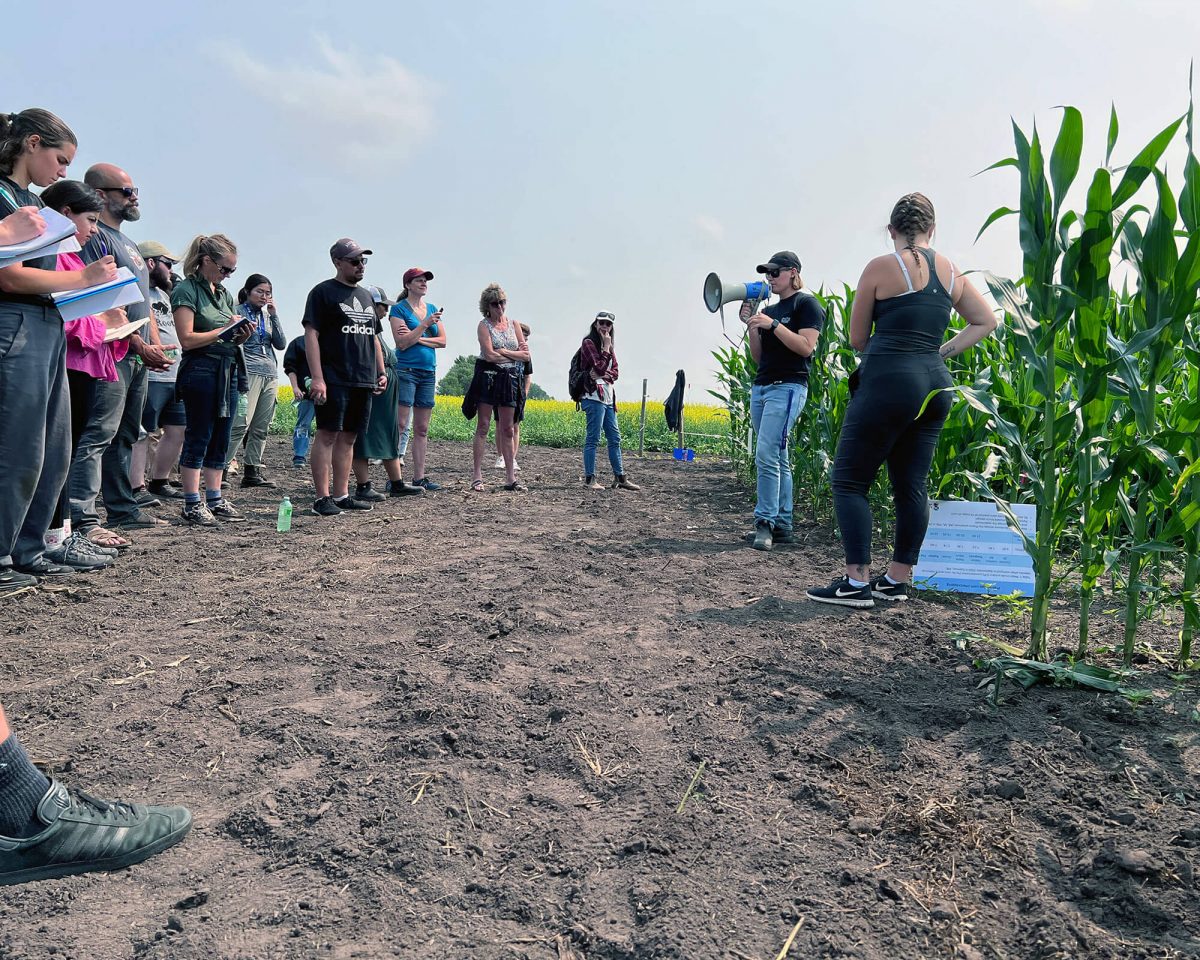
687,454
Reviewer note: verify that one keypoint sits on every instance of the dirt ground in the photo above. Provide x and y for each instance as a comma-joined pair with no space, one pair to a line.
465,727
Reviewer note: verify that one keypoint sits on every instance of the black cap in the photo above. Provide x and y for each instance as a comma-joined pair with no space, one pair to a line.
784,258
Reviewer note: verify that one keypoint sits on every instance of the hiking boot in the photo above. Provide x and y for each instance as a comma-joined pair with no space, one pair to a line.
198,515
84,834
224,510
622,482
427,485
368,494
163,490
398,488
783,535
592,483
325,507
253,477
11,579
349,503
882,590
144,498
764,538
842,593
77,553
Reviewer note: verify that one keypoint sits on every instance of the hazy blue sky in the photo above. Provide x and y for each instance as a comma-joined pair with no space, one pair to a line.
586,155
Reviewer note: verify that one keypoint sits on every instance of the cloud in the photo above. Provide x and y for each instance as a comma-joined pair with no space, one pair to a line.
709,226
358,108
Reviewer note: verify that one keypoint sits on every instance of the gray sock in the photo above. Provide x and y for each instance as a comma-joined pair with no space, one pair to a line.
22,787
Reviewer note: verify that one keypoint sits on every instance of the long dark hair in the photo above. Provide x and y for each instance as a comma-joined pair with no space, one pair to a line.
252,281
72,195
15,127
594,335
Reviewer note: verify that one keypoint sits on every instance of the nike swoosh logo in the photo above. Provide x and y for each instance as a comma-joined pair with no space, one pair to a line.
852,592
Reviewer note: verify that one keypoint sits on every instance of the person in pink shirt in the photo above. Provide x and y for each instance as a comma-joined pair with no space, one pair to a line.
90,357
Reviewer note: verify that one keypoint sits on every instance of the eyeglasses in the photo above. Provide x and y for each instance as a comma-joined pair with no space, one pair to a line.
774,272
129,193
498,303
357,261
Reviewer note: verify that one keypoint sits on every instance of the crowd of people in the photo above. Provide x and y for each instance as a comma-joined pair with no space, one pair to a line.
108,406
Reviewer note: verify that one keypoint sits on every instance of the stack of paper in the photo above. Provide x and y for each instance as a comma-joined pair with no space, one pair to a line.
124,330
59,237
88,301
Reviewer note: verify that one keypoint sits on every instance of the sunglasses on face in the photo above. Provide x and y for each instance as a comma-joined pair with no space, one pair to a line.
357,261
499,304
129,193
225,271
604,323
774,272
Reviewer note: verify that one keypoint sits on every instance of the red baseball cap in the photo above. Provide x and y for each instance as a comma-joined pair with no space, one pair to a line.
412,273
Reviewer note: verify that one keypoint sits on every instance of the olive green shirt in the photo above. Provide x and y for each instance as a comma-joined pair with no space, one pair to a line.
213,310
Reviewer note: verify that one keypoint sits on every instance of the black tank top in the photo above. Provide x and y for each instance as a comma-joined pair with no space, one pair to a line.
915,321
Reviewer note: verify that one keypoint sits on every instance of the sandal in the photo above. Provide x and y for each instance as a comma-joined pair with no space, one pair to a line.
478,487
516,487
107,538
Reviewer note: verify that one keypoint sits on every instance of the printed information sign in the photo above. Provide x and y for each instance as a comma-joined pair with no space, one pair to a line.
969,549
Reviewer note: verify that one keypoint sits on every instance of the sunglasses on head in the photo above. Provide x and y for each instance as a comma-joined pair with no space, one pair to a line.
129,193
605,316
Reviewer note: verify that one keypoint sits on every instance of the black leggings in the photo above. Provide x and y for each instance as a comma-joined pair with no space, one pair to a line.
882,425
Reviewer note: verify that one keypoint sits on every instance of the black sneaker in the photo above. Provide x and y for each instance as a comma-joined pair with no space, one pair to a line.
349,503
144,498
764,538
326,507
197,514
398,488
47,570
224,510
84,834
367,493
164,490
842,593
426,484
882,590
11,579
783,535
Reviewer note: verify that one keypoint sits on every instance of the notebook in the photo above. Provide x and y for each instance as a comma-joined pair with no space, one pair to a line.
124,290
58,237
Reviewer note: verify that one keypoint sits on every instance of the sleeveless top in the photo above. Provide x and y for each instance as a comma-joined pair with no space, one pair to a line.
504,340
914,321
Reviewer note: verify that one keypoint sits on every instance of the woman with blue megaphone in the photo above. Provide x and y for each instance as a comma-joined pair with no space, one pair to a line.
782,338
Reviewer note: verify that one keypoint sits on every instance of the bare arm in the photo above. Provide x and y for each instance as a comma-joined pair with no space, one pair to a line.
31,281
522,351
863,310
485,345
406,338
981,321
185,327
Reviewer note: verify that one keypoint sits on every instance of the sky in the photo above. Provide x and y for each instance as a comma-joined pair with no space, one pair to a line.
592,155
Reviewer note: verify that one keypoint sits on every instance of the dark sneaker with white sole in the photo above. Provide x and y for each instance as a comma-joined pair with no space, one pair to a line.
325,507
349,503
76,552
843,594
225,511
882,590
197,514
83,834
11,579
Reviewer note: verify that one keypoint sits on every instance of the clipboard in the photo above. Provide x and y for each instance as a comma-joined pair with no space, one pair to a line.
58,237
88,301
231,331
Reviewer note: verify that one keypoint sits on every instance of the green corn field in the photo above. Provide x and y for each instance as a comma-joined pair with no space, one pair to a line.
1084,401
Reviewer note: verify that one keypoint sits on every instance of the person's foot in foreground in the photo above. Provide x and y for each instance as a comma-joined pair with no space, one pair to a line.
49,830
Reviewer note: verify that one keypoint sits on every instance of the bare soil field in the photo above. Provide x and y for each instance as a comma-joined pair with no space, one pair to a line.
559,724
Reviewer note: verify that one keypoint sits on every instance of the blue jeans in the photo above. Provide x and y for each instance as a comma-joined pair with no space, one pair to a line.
210,415
773,411
601,415
302,435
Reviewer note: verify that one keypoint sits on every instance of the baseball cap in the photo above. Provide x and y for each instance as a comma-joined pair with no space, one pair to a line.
784,258
347,249
379,296
412,273
606,315
152,248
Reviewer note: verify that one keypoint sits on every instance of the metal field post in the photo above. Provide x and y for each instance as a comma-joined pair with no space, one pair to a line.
642,428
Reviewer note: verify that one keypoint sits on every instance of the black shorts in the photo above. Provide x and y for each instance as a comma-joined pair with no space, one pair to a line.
162,409
345,410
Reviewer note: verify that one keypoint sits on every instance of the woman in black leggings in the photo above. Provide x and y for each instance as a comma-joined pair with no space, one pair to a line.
900,315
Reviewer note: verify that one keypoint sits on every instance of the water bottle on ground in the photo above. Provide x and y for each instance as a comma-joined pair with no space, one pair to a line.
284,523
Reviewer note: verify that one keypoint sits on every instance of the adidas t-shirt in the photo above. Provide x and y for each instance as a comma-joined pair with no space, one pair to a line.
344,318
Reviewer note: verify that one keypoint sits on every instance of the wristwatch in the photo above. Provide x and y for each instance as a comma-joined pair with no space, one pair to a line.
774,323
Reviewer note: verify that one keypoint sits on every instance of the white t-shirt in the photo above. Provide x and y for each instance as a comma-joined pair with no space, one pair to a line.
160,311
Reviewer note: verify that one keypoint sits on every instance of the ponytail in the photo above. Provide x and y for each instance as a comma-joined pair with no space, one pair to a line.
15,128
214,247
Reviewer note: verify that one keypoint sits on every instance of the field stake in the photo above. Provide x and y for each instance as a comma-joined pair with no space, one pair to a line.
642,428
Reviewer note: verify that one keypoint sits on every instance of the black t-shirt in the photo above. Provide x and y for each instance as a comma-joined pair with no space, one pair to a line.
778,364
344,318
110,241
295,360
25,198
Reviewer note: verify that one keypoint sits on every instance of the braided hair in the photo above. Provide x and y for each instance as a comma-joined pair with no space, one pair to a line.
912,215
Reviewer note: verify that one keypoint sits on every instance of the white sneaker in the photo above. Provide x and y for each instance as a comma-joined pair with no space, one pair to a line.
516,467
499,464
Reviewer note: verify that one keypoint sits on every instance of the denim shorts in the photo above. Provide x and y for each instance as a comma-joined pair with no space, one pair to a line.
416,387
162,409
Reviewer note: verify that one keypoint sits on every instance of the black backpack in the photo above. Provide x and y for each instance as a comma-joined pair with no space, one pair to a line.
579,382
